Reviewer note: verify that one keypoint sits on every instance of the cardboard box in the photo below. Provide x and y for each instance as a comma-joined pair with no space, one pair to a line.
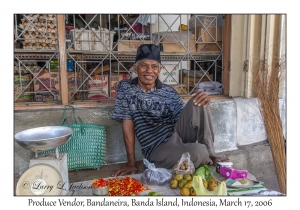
181,89
115,79
51,81
101,40
95,40
99,70
209,39
45,83
201,21
192,81
130,45
171,44
73,84
211,34
170,73
97,96
209,47
98,87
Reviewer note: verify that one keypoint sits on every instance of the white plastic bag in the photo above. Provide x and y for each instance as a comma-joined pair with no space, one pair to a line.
155,176
184,165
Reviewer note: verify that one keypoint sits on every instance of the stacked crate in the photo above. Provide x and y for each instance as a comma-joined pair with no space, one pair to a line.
39,32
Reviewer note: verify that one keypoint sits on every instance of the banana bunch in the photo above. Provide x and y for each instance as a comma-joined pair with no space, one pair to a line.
202,190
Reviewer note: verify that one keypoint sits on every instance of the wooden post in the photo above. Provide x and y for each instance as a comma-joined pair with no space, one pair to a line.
226,54
62,59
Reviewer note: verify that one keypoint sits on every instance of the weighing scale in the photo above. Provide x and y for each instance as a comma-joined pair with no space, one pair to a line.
47,173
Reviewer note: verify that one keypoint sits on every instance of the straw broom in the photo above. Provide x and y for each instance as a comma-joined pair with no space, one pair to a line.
266,84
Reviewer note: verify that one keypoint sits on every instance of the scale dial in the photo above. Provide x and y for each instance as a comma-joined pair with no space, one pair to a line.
40,179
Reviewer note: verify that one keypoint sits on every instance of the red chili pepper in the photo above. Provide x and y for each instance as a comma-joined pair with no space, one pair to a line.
126,186
99,182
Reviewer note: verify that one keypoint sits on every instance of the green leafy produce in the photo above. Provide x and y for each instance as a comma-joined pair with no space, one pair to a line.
204,171
153,193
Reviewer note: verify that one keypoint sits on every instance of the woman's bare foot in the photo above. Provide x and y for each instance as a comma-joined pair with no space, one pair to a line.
216,159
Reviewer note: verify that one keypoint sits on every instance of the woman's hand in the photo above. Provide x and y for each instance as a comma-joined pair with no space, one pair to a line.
201,98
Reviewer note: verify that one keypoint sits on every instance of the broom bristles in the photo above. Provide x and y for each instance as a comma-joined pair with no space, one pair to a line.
266,83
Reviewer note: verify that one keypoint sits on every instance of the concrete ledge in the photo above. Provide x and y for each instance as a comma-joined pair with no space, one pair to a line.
234,125
224,120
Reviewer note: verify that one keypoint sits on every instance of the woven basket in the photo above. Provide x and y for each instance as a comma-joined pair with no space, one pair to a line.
86,148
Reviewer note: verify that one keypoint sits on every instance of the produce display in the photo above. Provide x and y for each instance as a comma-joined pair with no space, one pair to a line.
126,186
100,187
184,165
99,182
153,193
212,189
186,183
155,176
204,171
199,183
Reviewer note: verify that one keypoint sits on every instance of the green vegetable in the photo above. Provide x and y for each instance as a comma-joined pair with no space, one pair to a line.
204,171
152,194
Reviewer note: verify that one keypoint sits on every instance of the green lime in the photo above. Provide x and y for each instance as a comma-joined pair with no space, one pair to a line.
152,194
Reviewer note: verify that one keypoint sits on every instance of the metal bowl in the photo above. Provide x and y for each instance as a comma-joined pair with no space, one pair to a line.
43,138
100,190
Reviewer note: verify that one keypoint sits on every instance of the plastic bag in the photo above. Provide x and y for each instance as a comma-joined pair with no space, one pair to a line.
184,165
201,190
155,176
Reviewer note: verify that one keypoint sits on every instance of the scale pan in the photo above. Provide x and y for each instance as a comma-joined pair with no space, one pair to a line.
43,138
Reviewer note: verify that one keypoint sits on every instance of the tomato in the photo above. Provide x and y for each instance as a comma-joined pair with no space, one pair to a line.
99,182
